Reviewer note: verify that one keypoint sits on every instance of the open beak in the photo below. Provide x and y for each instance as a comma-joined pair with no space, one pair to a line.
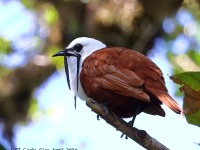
67,53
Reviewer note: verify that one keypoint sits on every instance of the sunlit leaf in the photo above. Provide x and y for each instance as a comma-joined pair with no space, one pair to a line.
191,79
178,93
28,3
172,58
4,46
195,56
33,107
190,82
58,62
194,118
50,14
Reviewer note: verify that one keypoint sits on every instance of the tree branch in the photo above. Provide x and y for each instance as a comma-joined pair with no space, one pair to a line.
139,136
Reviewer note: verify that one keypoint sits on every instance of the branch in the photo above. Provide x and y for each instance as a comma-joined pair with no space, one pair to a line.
139,136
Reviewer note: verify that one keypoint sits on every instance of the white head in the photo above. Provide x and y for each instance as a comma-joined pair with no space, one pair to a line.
74,55
85,46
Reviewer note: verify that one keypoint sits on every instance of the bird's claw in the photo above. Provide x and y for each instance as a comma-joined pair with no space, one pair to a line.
98,117
105,106
126,137
131,123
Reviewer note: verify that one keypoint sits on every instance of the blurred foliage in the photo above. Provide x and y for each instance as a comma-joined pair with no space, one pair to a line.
2,147
33,108
28,3
4,46
58,62
187,60
49,13
4,71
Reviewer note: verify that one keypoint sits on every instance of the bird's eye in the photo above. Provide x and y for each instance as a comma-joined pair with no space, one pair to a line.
78,47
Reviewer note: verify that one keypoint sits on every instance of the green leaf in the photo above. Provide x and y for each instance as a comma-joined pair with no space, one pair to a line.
190,82
33,107
191,79
194,55
4,46
50,14
58,62
194,118
28,3
178,93
172,58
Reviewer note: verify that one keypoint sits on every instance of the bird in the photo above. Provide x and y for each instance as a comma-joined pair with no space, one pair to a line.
125,80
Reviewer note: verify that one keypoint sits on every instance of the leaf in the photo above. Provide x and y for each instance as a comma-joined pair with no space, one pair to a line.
33,107
28,3
4,46
58,62
50,14
194,55
194,118
190,82
191,79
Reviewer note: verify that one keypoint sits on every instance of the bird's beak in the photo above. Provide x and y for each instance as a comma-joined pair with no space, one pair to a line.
60,53
67,52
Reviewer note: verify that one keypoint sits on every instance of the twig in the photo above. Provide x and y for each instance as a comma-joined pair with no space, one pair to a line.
139,136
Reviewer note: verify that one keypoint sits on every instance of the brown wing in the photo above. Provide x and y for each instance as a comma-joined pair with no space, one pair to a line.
154,83
126,73
124,82
100,67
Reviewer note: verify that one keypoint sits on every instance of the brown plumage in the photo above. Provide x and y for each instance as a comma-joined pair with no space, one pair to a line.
125,79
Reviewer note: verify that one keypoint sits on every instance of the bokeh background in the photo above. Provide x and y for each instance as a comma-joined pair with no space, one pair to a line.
36,107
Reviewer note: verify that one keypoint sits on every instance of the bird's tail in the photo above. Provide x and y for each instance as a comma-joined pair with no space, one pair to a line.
166,99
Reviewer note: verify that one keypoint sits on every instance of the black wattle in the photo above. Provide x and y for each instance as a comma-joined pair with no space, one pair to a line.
66,69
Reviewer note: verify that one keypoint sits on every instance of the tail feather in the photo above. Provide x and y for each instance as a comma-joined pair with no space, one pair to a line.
165,98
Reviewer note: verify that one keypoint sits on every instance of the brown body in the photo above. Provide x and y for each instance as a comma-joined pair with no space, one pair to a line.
125,79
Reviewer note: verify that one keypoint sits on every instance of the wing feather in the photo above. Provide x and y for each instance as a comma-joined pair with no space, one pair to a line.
118,80
127,73
123,87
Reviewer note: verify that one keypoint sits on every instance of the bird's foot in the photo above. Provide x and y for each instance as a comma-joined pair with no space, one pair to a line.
98,117
131,123
126,137
105,107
